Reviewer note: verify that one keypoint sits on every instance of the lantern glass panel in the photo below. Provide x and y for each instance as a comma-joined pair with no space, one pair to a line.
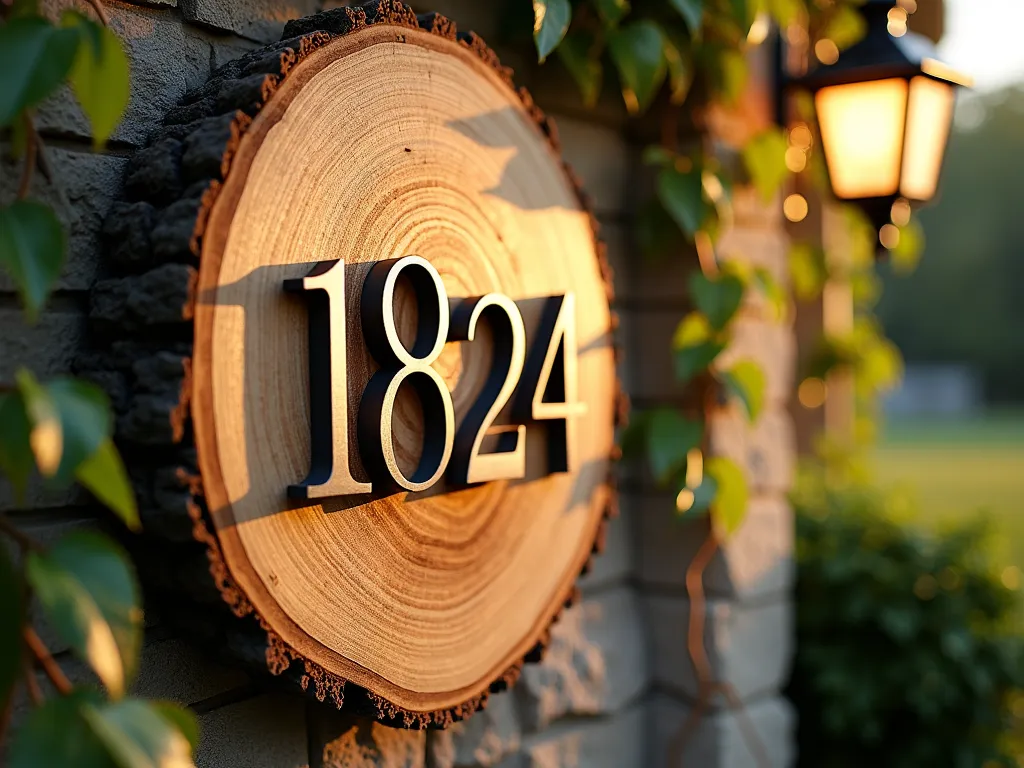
862,133
929,116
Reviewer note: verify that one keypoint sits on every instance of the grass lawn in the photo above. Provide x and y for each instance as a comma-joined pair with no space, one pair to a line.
959,469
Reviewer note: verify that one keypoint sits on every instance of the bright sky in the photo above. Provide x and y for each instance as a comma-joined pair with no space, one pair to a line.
985,39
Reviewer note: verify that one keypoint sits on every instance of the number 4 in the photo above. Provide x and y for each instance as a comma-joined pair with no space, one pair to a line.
550,383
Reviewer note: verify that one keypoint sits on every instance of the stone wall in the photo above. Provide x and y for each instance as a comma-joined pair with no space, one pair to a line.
616,683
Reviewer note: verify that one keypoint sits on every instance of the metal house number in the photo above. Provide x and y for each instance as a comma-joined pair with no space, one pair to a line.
548,371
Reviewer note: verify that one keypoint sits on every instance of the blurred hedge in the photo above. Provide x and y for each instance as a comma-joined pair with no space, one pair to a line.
909,646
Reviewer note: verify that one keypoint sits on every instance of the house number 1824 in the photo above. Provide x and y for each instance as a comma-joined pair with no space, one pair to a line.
548,371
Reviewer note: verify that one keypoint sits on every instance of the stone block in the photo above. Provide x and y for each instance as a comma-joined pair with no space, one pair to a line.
46,348
765,450
175,669
614,565
260,20
757,561
719,739
596,662
602,160
263,732
341,740
84,187
608,742
166,58
749,645
649,361
482,741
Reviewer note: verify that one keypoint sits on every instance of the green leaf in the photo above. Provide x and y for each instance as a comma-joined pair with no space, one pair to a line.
746,382
35,57
182,719
550,23
845,27
773,292
579,57
104,475
765,158
743,12
907,253
15,450
681,69
655,154
70,421
682,195
695,346
729,508
657,234
692,12
703,495
56,735
87,588
11,618
785,12
733,71
670,437
612,11
23,8
99,76
808,270
31,250
718,299
138,735
638,52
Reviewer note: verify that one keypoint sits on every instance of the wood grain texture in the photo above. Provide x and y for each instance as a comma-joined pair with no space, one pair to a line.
370,135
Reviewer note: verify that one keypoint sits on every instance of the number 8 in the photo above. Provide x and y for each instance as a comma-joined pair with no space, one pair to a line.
398,364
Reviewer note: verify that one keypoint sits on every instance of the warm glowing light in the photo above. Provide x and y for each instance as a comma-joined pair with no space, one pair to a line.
694,467
897,22
889,236
900,214
800,136
796,35
812,393
759,29
827,51
795,208
796,159
929,115
1011,577
684,500
862,132
910,6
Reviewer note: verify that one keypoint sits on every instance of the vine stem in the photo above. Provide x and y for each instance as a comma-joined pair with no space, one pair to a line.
50,667
22,539
97,5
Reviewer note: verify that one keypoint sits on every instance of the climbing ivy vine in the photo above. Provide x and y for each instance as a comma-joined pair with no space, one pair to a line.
61,430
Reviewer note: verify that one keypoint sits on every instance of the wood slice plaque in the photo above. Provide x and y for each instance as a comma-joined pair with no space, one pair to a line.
401,387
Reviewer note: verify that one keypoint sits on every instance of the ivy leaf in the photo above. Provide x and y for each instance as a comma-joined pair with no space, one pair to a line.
718,299
695,346
35,57
103,474
11,617
746,382
31,250
180,718
692,12
732,72
657,234
785,12
765,158
56,735
99,76
808,270
682,195
15,450
138,735
612,11
670,437
907,253
576,53
729,507
845,27
87,588
743,13
638,52
772,291
681,70
550,23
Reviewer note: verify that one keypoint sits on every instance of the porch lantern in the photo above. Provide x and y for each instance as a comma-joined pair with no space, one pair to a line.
885,109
